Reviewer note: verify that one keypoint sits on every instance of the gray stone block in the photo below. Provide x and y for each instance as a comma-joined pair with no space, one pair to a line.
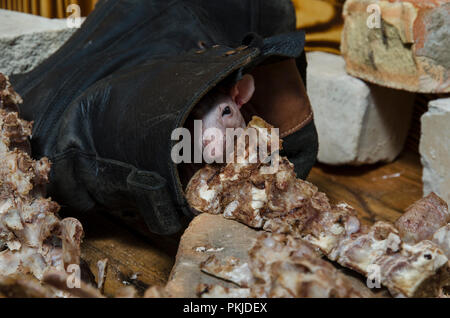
435,148
27,40
358,123
408,49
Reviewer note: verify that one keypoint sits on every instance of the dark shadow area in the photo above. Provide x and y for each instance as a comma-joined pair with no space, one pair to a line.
103,224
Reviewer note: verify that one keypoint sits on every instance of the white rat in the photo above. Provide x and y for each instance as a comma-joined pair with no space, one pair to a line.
221,110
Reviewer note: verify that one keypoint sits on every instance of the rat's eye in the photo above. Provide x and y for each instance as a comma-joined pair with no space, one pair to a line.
226,111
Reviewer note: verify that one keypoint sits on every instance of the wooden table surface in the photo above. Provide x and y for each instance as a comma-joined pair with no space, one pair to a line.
377,192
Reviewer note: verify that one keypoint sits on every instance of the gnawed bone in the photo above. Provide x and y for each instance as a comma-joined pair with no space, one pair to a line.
280,266
32,235
281,203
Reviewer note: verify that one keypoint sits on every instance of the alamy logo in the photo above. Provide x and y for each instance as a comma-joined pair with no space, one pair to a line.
374,19
235,145
74,19
74,279
373,276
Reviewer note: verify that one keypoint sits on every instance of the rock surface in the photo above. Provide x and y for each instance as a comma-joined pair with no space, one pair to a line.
357,123
435,148
27,40
207,235
407,50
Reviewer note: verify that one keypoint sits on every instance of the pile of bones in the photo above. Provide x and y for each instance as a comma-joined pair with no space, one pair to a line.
300,227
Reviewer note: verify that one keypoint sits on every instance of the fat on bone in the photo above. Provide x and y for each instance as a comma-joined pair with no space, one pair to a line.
35,240
288,205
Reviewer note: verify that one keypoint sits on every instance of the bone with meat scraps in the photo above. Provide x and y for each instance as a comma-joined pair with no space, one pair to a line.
32,237
280,203
280,266
422,219
427,219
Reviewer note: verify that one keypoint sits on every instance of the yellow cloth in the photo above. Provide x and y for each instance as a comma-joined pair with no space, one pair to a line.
322,19
47,8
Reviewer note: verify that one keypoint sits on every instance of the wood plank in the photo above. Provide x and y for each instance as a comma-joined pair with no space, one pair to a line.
128,255
379,192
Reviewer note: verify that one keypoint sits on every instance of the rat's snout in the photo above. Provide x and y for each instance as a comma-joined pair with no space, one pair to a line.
206,142
213,145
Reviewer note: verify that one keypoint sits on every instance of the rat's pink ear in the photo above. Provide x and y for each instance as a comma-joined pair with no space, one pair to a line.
243,91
